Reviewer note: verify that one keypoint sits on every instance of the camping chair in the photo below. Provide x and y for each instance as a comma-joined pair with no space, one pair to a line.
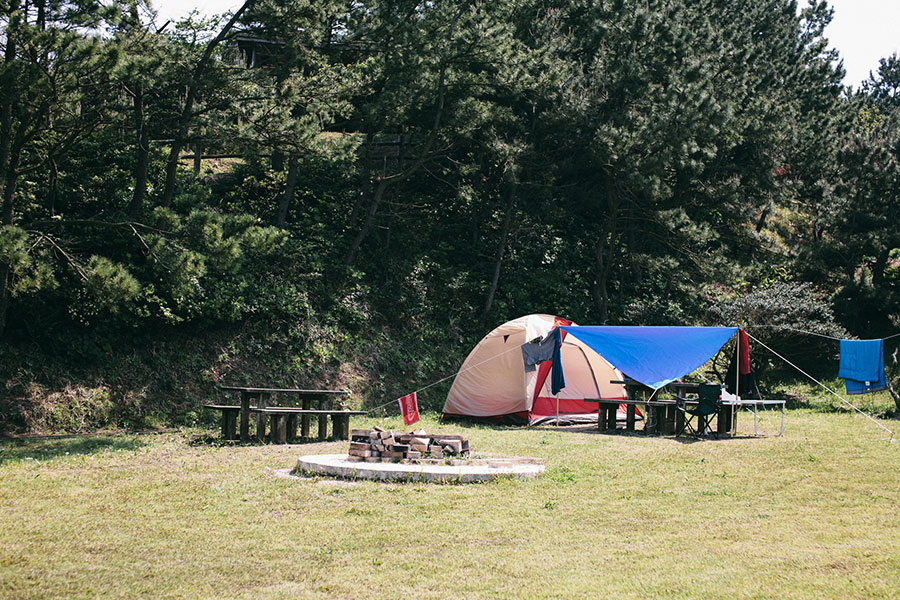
708,404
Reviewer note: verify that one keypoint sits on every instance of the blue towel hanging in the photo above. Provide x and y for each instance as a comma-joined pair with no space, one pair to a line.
862,366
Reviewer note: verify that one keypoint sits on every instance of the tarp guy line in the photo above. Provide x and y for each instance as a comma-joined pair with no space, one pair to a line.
822,335
850,404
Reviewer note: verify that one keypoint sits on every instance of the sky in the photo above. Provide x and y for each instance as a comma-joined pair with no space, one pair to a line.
863,31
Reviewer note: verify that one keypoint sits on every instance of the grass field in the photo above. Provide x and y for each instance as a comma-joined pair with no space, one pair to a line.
813,514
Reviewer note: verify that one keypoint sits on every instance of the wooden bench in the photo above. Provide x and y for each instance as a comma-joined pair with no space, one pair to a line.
283,422
259,397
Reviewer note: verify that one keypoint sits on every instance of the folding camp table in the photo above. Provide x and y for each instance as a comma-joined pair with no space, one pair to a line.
754,405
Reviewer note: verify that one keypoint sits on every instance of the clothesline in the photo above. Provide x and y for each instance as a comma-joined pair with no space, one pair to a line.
822,335
841,398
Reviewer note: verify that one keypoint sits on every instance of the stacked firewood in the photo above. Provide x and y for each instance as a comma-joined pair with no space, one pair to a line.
391,445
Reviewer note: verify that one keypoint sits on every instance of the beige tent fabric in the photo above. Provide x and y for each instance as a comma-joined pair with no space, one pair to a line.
492,381
588,375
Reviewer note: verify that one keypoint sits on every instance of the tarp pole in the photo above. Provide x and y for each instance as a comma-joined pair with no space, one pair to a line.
557,410
737,364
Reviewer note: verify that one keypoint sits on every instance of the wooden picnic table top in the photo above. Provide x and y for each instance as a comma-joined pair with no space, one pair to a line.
257,390
289,410
655,402
222,406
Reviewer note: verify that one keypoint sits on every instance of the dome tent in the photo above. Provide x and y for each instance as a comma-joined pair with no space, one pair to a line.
493,383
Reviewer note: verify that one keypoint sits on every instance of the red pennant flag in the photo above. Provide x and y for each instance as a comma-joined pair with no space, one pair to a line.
409,408
743,352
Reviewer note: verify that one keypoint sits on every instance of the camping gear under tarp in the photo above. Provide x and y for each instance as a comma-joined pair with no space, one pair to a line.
653,356
493,382
862,366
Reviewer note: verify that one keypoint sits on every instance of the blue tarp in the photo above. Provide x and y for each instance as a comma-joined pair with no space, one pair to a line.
654,356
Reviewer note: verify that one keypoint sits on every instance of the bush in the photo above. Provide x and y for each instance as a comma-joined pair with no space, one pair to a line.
794,319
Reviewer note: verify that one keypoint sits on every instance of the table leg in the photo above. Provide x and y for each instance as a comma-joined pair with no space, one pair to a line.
304,419
261,418
341,426
232,424
650,420
661,420
323,421
245,416
724,420
629,417
279,429
679,420
291,427
611,410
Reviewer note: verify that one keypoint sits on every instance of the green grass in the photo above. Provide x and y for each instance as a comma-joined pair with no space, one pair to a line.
812,514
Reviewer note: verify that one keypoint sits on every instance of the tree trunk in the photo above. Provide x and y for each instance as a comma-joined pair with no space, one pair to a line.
7,99
41,14
603,264
142,155
52,186
187,112
9,190
501,250
198,159
384,181
7,164
879,266
287,197
364,180
600,292
277,160
370,218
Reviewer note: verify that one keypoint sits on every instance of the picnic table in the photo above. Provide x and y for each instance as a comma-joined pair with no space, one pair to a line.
283,419
662,414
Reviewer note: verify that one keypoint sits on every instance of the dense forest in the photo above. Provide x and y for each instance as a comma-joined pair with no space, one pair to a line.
351,193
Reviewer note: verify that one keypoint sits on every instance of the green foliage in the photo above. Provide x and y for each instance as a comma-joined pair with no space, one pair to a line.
109,284
779,316
415,173
28,270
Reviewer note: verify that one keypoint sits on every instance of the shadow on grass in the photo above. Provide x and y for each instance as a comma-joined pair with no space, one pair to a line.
215,440
42,449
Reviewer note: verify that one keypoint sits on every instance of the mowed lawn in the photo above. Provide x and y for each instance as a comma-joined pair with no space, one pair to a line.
813,514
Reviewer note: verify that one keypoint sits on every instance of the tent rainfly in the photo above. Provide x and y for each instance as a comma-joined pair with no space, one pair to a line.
494,384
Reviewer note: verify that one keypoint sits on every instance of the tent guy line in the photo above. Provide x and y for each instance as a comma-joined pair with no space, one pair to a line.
850,404
443,379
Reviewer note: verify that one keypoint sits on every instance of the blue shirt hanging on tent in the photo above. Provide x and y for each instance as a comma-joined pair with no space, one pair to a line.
557,377
862,366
